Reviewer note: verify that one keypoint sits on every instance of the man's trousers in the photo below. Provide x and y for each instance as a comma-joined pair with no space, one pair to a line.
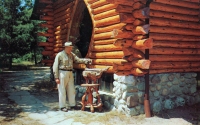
66,85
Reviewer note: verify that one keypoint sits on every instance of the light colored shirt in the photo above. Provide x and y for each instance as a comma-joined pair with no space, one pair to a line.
65,61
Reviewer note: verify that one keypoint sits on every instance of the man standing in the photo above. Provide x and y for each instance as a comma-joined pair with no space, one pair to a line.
62,69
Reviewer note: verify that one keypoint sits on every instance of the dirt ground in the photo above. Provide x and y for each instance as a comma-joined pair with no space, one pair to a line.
12,113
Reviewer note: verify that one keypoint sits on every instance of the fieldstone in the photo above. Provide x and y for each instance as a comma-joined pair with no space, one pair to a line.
156,107
188,81
130,79
194,74
197,98
152,88
155,79
193,81
190,100
156,94
116,103
175,81
177,75
185,90
141,86
111,100
182,84
171,77
164,78
193,89
141,100
180,101
125,95
169,84
123,87
106,97
142,109
187,75
158,86
182,78
140,94
165,92
132,101
131,88
177,90
115,83
132,111
168,104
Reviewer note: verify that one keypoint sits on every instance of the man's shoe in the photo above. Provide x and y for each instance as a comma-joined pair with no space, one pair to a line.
64,109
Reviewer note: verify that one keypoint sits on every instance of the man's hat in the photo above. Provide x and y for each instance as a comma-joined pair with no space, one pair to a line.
67,44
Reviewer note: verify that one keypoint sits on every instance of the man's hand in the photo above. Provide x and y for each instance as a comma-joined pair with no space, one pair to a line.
57,81
88,61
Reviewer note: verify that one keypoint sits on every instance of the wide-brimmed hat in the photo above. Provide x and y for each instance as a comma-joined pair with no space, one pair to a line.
68,44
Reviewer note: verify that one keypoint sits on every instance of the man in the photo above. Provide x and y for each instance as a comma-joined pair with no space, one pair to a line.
62,69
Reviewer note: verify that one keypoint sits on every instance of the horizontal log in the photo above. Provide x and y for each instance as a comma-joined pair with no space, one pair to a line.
109,70
125,66
173,23
161,14
50,30
48,48
138,71
138,5
103,42
47,61
134,52
174,57
50,39
92,1
107,21
44,44
142,64
56,50
49,14
49,22
63,7
143,44
124,9
58,45
103,48
142,1
43,17
44,10
168,50
46,1
126,18
108,61
173,37
104,8
195,1
121,34
157,71
183,3
141,29
102,36
176,44
65,18
139,37
123,72
47,53
62,22
107,55
173,9
98,4
141,13
46,25
173,65
139,22
174,30
45,34
123,2
129,26
106,14
109,28
123,42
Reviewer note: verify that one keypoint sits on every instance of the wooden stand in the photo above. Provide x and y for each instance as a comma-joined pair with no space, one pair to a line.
89,102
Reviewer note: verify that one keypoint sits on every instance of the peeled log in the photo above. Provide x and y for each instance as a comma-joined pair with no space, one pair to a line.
108,61
156,13
176,44
42,17
168,50
173,23
143,44
143,63
46,1
123,42
107,55
105,35
104,8
109,28
46,25
98,4
173,37
103,42
48,48
106,14
138,5
109,70
124,9
138,71
123,72
103,48
141,13
174,58
141,29
173,9
122,34
56,50
123,2
44,44
174,30
46,34
139,37
173,65
139,22
107,21
157,71
134,52
125,66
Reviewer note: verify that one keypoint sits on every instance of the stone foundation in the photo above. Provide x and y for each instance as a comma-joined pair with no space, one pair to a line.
166,91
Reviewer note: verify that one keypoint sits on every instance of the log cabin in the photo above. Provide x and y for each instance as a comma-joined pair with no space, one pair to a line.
151,46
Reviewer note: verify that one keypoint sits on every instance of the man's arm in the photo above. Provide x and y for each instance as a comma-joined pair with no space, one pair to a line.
81,60
55,67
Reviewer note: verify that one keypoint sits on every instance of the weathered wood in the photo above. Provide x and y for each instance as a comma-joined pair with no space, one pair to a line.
63,6
138,71
109,28
173,65
156,13
134,52
173,9
129,26
139,22
123,2
173,23
141,29
104,8
143,63
123,72
107,55
126,18
109,70
44,44
176,44
98,4
125,66
65,18
104,48
123,42
174,30
179,3
124,9
142,1
106,14
122,34
168,50
108,61
173,37
174,57
143,44
157,71
138,5
195,1
141,13
103,42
